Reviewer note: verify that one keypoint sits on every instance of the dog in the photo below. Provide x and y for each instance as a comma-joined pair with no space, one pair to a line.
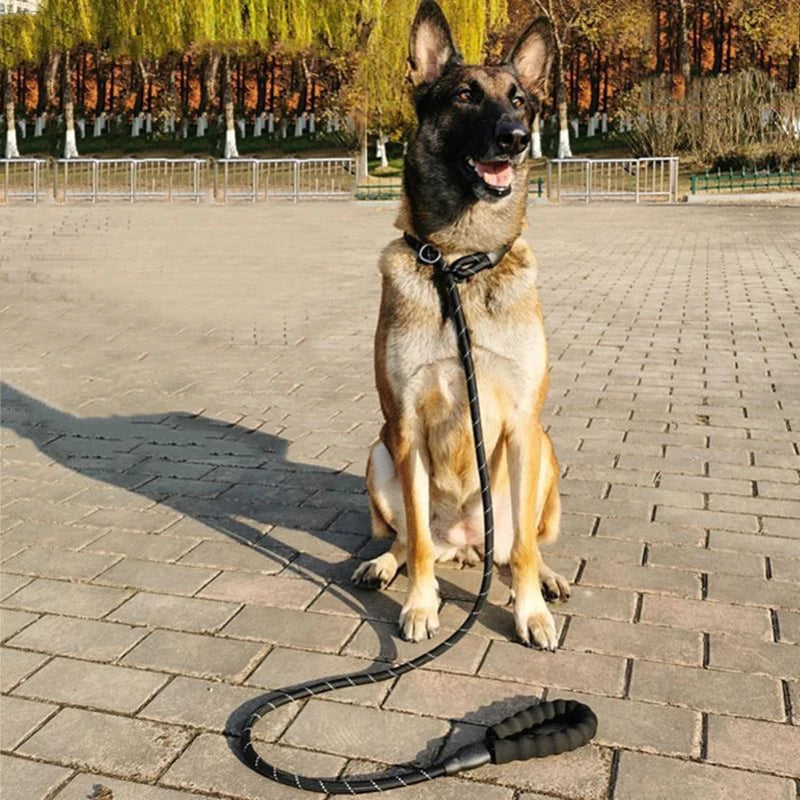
465,191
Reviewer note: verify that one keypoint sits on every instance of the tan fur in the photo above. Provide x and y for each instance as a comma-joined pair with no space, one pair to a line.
422,479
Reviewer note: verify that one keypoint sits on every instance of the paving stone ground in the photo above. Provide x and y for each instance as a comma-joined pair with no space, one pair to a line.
187,402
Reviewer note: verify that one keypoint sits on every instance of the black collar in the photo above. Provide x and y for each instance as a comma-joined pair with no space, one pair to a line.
446,276
462,269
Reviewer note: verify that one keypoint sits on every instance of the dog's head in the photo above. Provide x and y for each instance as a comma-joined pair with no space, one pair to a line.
472,141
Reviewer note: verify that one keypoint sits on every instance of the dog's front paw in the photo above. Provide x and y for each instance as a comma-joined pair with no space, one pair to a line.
536,627
419,620
376,574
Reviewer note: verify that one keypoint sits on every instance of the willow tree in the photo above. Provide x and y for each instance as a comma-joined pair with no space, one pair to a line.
65,26
376,31
147,32
16,48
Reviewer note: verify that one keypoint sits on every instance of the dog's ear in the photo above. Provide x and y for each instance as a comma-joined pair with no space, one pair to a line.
532,57
430,46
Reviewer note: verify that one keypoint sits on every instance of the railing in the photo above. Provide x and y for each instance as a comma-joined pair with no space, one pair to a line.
24,179
253,179
634,179
758,181
130,179
393,190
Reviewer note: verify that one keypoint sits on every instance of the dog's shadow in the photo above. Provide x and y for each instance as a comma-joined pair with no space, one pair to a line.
288,513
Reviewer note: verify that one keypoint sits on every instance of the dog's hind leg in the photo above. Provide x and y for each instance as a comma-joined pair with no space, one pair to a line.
387,516
379,572
554,586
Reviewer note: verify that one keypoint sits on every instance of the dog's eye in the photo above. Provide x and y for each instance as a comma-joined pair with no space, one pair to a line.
464,95
518,101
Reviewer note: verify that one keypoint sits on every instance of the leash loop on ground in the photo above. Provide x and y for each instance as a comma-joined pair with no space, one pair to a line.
541,730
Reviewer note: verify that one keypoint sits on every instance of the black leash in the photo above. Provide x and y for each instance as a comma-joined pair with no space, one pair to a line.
541,730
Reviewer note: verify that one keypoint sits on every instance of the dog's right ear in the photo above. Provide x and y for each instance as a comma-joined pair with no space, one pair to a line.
430,46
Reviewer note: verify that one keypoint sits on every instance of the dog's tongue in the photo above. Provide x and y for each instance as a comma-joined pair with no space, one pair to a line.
495,173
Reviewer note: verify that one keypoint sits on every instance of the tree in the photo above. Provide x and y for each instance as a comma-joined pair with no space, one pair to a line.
65,25
16,47
572,22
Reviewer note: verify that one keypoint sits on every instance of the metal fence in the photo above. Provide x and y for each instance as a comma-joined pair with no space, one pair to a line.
254,179
128,179
635,179
742,181
25,179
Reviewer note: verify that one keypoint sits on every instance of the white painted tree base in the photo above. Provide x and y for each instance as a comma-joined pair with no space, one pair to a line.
99,124
70,146
271,124
23,127
312,124
240,124
81,123
536,145
231,150
564,149
202,124
185,128
38,129
148,123
11,144
384,158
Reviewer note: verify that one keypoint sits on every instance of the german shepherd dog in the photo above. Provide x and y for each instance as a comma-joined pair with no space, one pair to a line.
465,183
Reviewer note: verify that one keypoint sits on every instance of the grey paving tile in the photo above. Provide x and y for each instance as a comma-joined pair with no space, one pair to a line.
176,613
154,577
60,597
209,765
98,686
82,638
15,665
288,626
24,779
194,654
120,746
217,707
20,719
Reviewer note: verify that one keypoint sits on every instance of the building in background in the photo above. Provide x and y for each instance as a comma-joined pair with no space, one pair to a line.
18,6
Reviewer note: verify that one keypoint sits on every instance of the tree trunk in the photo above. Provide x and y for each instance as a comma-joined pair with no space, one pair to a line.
564,149
596,62
536,136
684,63
70,146
101,79
718,29
11,124
227,97
660,62
271,112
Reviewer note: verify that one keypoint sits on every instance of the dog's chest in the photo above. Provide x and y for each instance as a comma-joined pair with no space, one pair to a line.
508,347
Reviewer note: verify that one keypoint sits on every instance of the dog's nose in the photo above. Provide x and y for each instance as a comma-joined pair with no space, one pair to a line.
512,137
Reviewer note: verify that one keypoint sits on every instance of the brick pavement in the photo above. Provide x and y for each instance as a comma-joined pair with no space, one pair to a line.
187,404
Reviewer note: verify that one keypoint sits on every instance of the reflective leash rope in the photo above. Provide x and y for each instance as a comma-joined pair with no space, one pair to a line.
541,730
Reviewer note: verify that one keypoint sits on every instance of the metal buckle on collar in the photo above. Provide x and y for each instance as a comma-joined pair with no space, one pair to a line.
429,254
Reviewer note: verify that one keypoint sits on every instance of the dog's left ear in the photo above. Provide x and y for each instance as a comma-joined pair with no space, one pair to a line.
532,57
430,45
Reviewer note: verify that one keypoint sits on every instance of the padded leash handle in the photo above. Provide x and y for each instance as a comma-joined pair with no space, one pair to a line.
544,730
